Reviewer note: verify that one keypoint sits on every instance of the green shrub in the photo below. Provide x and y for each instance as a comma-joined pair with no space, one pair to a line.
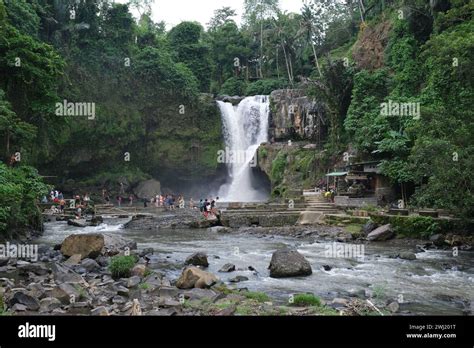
258,296
120,266
278,168
20,190
303,300
265,87
233,86
411,226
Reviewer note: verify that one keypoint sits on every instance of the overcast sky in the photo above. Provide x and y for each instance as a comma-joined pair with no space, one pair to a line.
175,11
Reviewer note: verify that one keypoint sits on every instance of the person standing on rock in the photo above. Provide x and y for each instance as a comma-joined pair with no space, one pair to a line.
62,204
130,199
181,202
86,199
201,205
162,200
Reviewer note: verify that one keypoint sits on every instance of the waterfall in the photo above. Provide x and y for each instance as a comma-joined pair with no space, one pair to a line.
245,127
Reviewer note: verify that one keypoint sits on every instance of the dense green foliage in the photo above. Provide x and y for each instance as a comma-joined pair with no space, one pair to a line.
424,226
154,118
20,190
265,87
433,149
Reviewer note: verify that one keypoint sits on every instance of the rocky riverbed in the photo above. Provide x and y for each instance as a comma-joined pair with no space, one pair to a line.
179,270
64,282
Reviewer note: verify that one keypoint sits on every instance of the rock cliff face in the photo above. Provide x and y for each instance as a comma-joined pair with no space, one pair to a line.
368,52
296,164
296,116
290,168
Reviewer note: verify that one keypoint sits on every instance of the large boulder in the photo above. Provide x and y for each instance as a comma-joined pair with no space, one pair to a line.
197,259
193,277
289,263
86,245
93,245
147,189
381,233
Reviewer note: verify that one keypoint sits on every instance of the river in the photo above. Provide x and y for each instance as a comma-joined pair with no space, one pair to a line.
436,283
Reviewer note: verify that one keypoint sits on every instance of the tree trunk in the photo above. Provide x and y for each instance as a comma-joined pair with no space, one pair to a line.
291,68
261,49
361,10
277,63
316,59
290,78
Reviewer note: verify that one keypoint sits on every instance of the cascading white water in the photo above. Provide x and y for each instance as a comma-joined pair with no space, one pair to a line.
245,127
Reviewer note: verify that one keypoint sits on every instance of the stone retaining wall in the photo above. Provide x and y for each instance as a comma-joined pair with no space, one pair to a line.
344,201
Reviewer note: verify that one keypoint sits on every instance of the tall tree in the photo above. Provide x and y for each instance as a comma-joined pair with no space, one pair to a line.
221,17
311,28
230,51
284,42
255,14
186,41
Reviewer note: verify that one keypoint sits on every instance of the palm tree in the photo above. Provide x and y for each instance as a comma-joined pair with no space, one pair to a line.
308,29
279,29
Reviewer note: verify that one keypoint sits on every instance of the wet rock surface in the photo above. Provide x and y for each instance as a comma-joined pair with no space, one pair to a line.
67,284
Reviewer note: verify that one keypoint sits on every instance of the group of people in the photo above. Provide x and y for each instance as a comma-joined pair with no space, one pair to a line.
78,202
208,207
119,198
55,197
170,202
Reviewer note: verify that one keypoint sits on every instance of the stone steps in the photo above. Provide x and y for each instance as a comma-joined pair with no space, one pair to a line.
317,204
